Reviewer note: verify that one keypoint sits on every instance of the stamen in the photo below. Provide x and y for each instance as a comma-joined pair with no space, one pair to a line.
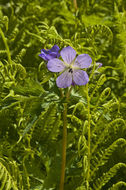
70,70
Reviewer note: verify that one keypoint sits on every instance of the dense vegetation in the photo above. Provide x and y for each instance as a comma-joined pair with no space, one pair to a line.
31,105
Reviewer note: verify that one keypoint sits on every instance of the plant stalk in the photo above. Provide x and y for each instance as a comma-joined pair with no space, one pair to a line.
64,147
89,135
75,4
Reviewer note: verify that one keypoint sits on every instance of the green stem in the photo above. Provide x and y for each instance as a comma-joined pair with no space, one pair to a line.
75,4
6,46
64,147
89,135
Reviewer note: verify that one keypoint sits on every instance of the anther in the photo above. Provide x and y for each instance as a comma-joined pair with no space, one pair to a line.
70,70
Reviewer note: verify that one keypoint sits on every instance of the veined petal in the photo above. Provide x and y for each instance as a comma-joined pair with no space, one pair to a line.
80,77
55,65
64,80
83,61
68,54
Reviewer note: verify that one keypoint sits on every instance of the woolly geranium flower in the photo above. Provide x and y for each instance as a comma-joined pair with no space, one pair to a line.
71,68
50,54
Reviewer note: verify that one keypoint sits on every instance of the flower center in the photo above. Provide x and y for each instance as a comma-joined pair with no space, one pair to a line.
70,70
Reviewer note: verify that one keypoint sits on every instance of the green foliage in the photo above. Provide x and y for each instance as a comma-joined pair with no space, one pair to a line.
10,176
31,105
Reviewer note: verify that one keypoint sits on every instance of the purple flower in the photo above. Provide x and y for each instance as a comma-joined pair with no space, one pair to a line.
71,68
50,54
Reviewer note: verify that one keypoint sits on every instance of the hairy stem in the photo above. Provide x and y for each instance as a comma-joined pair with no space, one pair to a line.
75,4
64,147
89,134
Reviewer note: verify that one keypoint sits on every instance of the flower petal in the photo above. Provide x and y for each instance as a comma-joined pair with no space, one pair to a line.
55,48
80,77
43,55
68,54
47,57
64,80
50,54
83,61
55,65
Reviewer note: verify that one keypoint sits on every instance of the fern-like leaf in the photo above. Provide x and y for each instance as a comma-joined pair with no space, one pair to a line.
100,182
104,156
7,181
